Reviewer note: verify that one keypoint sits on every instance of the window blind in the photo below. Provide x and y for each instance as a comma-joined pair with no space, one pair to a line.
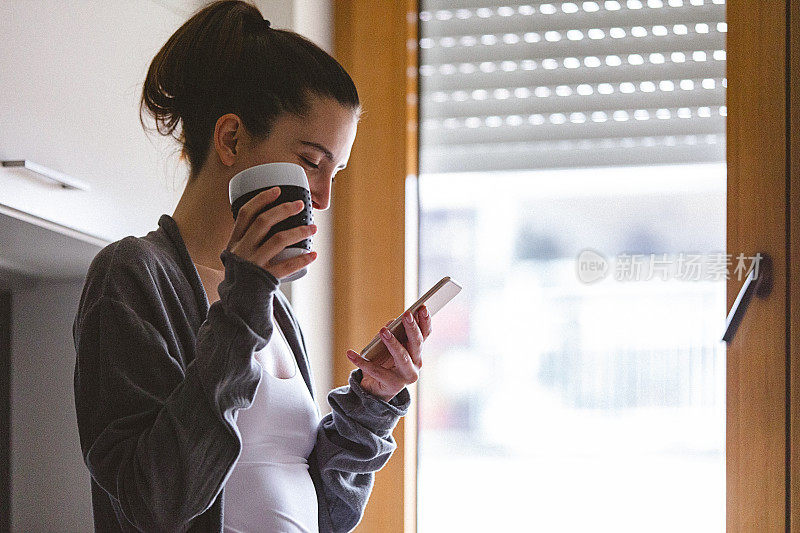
570,84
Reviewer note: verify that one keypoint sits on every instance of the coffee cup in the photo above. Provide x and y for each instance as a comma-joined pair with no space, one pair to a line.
292,180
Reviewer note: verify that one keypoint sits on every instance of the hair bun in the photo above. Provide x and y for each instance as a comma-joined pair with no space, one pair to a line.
228,59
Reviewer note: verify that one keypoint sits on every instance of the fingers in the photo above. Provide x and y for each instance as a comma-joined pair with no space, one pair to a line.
252,226
424,321
403,363
402,368
414,336
407,361
387,362
288,266
257,231
384,375
281,240
250,209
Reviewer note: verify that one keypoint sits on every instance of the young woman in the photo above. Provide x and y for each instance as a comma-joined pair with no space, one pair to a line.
193,391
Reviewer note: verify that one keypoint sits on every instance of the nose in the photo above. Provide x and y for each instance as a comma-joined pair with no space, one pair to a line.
320,195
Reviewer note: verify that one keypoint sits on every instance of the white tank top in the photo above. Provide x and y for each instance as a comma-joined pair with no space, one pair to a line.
270,488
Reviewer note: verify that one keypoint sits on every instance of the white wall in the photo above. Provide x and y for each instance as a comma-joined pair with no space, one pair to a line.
71,74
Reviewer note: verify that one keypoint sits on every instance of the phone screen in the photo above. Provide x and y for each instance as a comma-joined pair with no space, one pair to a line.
439,298
435,299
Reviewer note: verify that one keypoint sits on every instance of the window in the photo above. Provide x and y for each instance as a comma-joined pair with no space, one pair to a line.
554,137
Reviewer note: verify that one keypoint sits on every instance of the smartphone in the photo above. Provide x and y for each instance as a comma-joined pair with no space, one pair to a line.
442,292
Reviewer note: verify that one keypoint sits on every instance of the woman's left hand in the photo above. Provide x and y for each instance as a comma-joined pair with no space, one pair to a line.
385,380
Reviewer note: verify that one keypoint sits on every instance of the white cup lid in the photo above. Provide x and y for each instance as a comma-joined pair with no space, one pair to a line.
266,175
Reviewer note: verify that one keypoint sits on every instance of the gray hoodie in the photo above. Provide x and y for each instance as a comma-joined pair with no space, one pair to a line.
159,376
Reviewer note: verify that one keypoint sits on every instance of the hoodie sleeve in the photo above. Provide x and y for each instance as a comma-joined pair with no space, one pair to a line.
354,441
159,438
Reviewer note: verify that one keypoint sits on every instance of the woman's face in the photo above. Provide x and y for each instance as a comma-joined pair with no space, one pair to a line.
321,144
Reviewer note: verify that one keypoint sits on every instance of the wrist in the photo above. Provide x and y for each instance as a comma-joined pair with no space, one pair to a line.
384,397
246,292
397,402
354,403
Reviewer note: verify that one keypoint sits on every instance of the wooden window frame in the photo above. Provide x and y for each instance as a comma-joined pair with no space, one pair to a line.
763,48
377,43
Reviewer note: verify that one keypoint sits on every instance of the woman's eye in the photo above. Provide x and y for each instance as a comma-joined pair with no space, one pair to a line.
309,163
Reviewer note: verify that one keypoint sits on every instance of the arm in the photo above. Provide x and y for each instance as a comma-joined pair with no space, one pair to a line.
354,441
161,440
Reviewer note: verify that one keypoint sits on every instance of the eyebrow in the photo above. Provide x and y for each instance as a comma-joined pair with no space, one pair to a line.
322,149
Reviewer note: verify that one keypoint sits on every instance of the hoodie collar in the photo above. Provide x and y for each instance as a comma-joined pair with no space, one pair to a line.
170,228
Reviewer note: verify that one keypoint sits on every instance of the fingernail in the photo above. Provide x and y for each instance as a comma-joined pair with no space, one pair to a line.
351,354
408,319
385,333
424,311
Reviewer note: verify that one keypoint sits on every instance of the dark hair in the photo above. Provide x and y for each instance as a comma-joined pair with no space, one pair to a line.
226,59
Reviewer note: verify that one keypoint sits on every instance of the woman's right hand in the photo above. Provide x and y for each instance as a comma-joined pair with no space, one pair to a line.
252,226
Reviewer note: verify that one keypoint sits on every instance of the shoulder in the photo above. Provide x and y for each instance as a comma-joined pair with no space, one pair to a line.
131,259
129,270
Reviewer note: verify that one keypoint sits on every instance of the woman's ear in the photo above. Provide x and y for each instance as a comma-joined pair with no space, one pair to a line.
227,133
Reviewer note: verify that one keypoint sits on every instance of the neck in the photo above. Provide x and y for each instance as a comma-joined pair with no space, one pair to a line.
203,216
